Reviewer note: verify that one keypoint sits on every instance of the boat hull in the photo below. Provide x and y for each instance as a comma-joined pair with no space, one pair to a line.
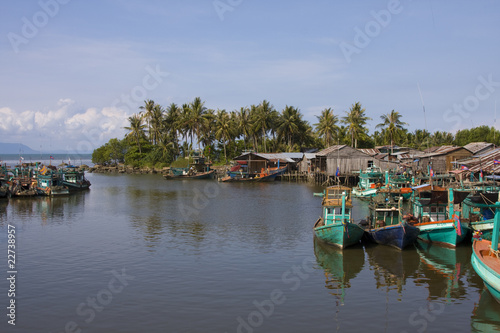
398,236
338,234
482,263
442,233
200,175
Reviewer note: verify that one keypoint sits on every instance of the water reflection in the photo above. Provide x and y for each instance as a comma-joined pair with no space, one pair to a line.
442,270
392,267
339,266
486,314
51,210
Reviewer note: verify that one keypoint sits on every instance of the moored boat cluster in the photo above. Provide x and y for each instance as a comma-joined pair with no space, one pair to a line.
35,179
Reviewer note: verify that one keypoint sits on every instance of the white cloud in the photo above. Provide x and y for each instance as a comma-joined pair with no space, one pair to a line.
64,127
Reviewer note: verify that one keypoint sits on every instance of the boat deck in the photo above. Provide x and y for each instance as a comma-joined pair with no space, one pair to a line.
483,251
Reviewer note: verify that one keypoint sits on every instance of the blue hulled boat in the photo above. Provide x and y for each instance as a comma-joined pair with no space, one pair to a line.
385,224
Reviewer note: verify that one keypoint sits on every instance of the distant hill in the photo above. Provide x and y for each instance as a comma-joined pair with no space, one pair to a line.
15,148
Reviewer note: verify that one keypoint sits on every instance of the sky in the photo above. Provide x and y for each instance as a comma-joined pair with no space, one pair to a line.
73,71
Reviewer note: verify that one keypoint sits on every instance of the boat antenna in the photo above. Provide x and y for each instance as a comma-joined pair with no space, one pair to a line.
423,107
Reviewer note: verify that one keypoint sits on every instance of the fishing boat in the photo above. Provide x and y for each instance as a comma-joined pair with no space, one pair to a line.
336,226
199,168
485,257
477,210
241,174
434,215
370,180
74,178
385,223
50,184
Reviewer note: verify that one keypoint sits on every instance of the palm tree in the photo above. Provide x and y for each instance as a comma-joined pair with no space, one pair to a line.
244,124
288,125
136,129
356,121
392,125
156,123
148,114
197,110
262,120
327,126
223,128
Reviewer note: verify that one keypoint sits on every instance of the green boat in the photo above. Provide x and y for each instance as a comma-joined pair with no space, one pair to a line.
369,181
434,215
336,227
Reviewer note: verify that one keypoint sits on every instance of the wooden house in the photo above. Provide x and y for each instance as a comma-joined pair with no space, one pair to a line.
442,159
349,160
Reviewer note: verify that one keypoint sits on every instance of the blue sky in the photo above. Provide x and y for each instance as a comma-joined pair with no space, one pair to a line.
73,70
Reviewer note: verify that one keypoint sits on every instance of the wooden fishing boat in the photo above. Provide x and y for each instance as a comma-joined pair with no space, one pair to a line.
479,214
199,168
385,224
336,226
369,181
265,175
485,257
51,184
74,179
210,174
434,215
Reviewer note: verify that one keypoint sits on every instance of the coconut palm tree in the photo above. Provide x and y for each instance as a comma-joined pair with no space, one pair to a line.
156,123
327,126
148,114
197,110
223,128
355,120
289,125
136,129
392,125
244,124
262,120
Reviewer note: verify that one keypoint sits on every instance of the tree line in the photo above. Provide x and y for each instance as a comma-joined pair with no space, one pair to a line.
157,136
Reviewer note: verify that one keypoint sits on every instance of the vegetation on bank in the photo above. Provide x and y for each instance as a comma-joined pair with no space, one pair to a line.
158,136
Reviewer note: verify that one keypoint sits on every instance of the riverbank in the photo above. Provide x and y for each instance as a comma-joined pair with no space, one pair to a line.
122,168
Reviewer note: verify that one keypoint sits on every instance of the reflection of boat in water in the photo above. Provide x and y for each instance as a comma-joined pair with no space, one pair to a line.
442,268
486,314
392,266
340,267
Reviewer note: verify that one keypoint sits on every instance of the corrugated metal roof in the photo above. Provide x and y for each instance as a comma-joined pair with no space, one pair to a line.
441,150
276,156
329,150
475,147
370,151
484,162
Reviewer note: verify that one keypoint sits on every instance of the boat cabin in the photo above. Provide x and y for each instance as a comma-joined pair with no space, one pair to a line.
337,205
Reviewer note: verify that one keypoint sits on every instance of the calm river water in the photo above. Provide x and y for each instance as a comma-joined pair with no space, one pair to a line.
141,254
